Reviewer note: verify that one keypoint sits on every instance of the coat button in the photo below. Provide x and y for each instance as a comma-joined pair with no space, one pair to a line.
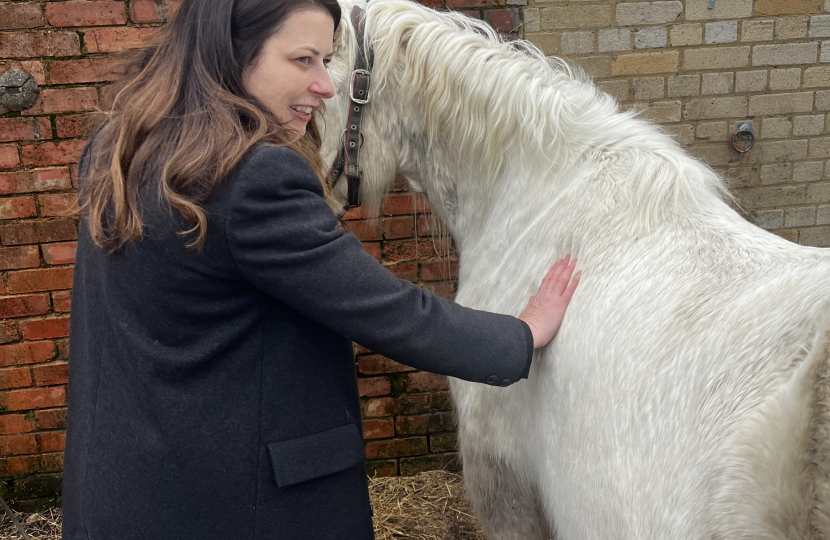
506,382
492,379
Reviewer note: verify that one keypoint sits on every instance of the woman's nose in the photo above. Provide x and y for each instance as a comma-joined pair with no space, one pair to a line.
322,85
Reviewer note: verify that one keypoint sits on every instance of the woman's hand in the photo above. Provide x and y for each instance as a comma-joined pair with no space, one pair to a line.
545,310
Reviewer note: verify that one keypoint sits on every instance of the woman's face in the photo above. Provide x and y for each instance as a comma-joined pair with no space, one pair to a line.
289,76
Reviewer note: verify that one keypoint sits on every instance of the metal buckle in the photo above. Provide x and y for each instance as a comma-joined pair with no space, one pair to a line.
366,74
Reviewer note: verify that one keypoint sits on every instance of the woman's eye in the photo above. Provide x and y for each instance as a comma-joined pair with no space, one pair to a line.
304,60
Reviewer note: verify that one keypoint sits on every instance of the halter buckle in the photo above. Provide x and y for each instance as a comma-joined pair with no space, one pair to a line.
355,73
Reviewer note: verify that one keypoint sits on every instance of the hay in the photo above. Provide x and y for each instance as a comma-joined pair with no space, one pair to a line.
429,506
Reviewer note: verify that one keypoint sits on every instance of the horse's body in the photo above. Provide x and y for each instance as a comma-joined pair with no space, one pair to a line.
686,395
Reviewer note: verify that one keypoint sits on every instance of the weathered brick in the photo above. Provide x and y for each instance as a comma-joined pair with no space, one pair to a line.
717,83
722,32
777,151
780,103
9,331
51,462
23,305
820,147
152,11
757,30
380,468
15,378
808,125
375,364
662,112
378,429
684,85
18,444
373,250
61,204
32,67
681,35
648,87
423,248
51,419
410,446
36,180
618,89
767,219
46,328
645,63
823,215
75,125
789,28
436,462
503,20
51,374
575,17
110,40
637,13
711,131
716,155
17,207
14,423
785,79
46,154
548,42
719,58
652,37
51,441
775,128
423,382
750,81
62,253
783,7
398,204
9,157
614,39
800,217
19,16
424,423
374,386
443,442
19,465
720,107
24,129
531,20
824,56
62,301
822,101
84,71
723,9
817,192
820,26
818,76
594,66
779,173
35,398
15,258
41,279
815,236
773,196
784,54
52,101
577,43
26,353
98,13
37,44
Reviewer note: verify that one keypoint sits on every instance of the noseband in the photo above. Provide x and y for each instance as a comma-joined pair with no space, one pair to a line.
348,158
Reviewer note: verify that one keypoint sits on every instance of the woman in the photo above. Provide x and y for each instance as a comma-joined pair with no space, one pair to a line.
213,392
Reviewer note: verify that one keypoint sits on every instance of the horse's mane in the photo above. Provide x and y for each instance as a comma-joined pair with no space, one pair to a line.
496,100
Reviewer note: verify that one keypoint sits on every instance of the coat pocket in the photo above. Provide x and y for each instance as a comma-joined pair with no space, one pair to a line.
319,454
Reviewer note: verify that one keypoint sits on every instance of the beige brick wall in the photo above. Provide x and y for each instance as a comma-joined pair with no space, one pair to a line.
700,71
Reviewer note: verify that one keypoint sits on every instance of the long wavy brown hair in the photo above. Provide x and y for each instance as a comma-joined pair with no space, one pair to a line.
183,119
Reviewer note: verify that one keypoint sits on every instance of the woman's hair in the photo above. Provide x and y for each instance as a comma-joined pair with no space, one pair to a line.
183,118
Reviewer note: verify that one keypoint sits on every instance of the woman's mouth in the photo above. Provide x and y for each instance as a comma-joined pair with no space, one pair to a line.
303,113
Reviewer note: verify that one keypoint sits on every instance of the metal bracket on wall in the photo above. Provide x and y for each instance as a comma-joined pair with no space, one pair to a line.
18,90
711,4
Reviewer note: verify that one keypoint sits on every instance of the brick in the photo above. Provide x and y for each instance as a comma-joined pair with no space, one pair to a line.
773,196
18,444
757,30
817,193
375,386
20,16
75,125
51,374
779,173
820,148
577,43
38,44
782,7
531,20
46,154
373,250
777,151
789,28
62,253
16,258
112,40
52,441
443,442
51,419
823,215
681,35
57,205
15,378
408,250
85,13
422,382
378,407
24,129
614,39
645,63
378,429
17,207
722,32
381,468
62,301
14,423
750,81
662,112
398,204
410,446
152,11
780,103
718,83
719,58
19,465
775,128
575,17
52,101
711,131
398,227
503,20
807,171
24,306
51,462
817,77
38,232
424,424
35,398
9,331
651,38
784,54
767,219
684,85
618,89
823,100
411,466
684,134
808,125
638,13
442,290
594,66
785,79
819,26
815,236
439,271
32,67
26,353
375,364
720,107
53,179
9,157
42,279
84,71
47,328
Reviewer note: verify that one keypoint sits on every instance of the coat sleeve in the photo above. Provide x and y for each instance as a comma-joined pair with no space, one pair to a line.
285,241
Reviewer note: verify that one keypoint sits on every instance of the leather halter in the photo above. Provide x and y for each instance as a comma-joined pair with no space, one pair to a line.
348,158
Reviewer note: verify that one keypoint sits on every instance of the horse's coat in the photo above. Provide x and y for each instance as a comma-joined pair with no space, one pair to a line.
686,395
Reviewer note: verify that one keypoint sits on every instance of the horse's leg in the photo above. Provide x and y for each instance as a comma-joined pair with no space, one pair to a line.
506,503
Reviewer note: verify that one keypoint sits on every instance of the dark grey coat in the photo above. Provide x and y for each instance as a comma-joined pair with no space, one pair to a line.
213,395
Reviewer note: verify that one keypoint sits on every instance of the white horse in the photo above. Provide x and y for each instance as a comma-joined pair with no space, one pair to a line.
686,395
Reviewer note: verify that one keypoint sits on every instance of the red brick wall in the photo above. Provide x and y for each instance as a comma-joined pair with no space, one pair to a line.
68,48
